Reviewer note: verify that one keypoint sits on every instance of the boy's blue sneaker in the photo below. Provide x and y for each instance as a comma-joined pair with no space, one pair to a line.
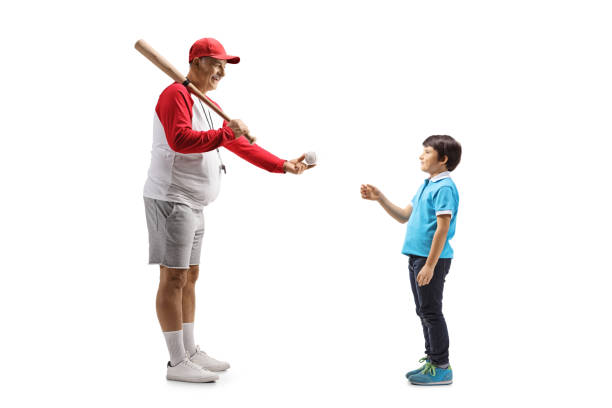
418,370
432,375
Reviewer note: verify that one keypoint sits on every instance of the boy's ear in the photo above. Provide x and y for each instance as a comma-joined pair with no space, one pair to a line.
444,160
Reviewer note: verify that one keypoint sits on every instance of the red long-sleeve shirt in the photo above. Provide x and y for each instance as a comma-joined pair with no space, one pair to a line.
175,111
184,165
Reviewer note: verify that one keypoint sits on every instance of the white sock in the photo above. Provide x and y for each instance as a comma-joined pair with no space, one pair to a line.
188,338
174,341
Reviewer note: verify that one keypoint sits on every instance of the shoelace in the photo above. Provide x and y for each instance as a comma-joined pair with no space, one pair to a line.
188,363
191,364
423,360
200,352
429,369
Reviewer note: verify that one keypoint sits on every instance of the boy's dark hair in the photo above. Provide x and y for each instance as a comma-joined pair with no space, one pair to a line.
445,146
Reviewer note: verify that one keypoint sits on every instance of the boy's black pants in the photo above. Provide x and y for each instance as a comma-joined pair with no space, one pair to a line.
428,300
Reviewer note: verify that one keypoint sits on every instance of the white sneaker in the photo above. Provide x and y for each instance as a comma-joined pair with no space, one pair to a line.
207,362
190,372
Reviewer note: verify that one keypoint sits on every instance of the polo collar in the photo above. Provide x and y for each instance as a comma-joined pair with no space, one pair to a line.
443,175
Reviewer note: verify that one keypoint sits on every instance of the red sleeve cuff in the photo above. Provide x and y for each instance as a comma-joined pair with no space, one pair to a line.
228,130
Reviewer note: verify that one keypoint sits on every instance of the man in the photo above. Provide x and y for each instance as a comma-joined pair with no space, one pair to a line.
184,176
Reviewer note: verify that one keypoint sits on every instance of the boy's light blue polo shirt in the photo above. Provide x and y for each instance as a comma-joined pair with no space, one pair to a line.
436,196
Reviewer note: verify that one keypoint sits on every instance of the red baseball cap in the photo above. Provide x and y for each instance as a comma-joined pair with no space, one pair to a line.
209,47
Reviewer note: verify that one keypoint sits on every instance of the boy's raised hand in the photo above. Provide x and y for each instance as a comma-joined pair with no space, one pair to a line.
369,192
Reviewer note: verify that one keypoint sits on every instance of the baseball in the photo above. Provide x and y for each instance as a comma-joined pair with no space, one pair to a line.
311,158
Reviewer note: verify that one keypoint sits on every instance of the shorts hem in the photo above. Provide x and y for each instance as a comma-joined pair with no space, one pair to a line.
166,266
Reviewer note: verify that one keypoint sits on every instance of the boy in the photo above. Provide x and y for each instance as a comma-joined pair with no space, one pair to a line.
431,218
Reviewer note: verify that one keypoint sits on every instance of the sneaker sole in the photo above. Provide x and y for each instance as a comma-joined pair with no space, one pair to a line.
435,383
215,370
191,380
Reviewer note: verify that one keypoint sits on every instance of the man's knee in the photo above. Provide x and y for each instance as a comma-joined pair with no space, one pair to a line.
173,279
192,274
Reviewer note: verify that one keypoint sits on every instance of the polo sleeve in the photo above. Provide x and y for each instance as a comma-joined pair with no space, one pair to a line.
444,202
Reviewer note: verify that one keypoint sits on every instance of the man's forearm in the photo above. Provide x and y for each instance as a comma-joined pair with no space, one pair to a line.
399,214
255,155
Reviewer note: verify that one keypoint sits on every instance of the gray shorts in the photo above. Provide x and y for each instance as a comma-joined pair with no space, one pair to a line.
175,233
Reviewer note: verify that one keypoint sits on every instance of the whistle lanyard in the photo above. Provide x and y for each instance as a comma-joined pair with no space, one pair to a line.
209,122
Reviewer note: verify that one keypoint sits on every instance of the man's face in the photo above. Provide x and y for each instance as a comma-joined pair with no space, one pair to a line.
430,162
211,70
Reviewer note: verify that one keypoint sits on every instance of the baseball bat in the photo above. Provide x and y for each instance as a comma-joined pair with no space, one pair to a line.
160,62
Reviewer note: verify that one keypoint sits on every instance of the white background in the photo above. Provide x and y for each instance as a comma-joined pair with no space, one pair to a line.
303,286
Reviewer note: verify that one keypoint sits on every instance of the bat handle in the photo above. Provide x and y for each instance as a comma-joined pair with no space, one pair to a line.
250,138
247,136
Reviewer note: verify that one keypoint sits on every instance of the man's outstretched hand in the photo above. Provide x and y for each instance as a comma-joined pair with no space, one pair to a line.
297,166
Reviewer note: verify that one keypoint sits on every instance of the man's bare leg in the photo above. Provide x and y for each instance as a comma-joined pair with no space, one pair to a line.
189,309
169,298
189,294
169,305
200,358
170,310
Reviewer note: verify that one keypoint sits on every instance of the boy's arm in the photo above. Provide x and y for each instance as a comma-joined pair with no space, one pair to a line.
401,215
437,245
369,192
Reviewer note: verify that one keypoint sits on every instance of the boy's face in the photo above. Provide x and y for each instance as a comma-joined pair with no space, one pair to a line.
430,162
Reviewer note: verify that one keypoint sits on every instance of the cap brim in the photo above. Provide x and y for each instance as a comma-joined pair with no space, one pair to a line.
231,59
